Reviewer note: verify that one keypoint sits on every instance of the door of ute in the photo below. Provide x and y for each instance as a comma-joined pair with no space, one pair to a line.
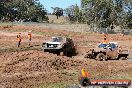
112,51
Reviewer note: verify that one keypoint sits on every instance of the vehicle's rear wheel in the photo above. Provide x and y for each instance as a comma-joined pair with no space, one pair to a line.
122,58
100,57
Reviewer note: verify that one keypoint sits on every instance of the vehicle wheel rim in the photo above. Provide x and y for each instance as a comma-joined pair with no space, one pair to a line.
101,57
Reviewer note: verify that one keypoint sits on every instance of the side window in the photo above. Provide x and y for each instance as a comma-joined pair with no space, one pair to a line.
59,39
110,46
113,45
102,45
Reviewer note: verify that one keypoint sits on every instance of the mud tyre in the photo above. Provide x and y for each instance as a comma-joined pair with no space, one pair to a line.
100,57
61,53
122,58
45,50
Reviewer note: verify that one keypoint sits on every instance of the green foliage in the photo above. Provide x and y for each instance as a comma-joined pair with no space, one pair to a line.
53,85
57,11
74,13
102,13
27,10
105,12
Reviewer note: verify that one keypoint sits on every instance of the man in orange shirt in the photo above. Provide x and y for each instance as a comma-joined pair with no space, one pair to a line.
29,38
18,39
105,39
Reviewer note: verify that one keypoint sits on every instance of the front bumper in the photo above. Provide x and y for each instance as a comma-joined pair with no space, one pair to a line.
51,48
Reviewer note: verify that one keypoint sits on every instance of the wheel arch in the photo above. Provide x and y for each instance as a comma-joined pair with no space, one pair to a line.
123,55
96,53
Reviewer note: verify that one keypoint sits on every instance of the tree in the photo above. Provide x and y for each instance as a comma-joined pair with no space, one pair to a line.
74,13
28,10
103,13
69,10
57,11
70,13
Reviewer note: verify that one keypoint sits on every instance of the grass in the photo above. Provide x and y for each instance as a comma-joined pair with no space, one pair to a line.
53,85
6,23
43,33
35,31
69,74
75,29
57,85
72,74
127,75
23,47
13,30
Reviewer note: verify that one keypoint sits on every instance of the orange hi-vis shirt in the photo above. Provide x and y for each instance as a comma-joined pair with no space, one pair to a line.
29,35
105,41
105,36
19,39
84,74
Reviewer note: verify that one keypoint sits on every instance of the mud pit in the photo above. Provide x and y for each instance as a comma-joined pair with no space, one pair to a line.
30,68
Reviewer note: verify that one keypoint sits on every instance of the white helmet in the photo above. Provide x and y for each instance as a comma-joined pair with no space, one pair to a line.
29,31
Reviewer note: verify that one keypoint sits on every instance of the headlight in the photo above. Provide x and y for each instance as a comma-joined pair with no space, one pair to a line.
44,45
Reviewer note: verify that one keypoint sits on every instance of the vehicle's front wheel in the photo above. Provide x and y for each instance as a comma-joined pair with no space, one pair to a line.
62,53
45,50
100,57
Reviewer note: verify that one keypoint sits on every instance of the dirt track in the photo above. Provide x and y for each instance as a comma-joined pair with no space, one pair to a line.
29,68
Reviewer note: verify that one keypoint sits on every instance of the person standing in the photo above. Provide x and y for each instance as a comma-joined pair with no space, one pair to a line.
18,39
29,38
105,38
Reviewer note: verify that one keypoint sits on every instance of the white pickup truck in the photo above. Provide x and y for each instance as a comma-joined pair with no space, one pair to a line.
59,45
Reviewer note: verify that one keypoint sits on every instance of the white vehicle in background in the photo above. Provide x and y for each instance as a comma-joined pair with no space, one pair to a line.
59,45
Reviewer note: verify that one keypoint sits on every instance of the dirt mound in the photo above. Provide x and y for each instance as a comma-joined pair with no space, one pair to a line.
31,68
28,68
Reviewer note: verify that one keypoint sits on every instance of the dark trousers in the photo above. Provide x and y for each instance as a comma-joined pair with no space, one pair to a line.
29,41
18,43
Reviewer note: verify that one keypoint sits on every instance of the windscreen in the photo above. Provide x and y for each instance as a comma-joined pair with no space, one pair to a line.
57,39
102,45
